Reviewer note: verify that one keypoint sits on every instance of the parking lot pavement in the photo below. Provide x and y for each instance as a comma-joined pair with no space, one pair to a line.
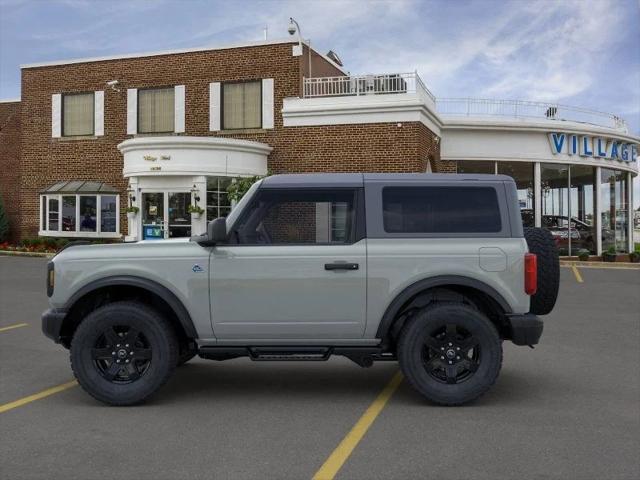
568,409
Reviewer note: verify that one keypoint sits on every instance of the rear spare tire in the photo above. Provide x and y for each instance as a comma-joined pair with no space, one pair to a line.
541,242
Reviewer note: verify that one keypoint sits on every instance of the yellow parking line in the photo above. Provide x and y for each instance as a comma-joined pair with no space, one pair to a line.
340,455
37,396
11,327
577,274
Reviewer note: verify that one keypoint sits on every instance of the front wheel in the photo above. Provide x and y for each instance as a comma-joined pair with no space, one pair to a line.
123,352
450,352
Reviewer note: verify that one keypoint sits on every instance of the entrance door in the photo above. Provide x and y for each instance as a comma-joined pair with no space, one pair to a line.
153,215
164,215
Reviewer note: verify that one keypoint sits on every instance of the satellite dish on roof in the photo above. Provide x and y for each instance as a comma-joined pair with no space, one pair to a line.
334,57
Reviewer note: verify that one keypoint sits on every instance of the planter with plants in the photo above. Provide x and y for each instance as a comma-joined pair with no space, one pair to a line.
583,255
610,255
634,257
132,212
195,211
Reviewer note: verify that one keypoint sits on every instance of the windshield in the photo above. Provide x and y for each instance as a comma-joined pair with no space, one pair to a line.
233,216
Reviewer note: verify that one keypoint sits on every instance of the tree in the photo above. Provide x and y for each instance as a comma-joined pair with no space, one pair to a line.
4,223
237,189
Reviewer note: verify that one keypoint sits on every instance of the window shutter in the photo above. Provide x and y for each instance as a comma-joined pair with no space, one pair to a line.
267,103
98,111
178,99
56,115
214,106
132,111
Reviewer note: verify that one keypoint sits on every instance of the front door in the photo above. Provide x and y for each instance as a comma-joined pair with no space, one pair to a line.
294,268
164,215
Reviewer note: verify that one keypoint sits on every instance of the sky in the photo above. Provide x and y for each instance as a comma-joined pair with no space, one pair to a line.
576,52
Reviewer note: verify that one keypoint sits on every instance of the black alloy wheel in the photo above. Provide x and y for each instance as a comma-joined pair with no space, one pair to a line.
451,354
122,354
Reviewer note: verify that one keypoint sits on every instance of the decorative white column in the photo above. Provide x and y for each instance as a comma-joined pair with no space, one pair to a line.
199,226
134,221
537,187
598,220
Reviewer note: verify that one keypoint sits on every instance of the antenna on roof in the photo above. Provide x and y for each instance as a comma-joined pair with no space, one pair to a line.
266,32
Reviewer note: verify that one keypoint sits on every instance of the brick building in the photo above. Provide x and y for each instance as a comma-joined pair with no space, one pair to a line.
162,131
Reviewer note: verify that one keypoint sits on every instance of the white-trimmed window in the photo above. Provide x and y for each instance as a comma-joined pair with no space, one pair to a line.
156,110
241,105
218,203
77,114
80,209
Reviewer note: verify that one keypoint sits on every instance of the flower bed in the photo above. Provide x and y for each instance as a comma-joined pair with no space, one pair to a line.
41,245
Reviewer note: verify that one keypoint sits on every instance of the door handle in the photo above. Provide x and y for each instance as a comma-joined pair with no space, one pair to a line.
341,266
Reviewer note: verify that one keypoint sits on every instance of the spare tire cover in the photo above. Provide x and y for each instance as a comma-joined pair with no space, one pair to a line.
541,242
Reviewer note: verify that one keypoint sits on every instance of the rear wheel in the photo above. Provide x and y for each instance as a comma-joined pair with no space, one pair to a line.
451,353
123,352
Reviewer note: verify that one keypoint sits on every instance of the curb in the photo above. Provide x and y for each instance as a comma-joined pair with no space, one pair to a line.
11,253
611,265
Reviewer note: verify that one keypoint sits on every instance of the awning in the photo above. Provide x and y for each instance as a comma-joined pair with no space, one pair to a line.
80,186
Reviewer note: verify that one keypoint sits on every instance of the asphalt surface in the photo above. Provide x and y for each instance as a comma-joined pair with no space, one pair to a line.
570,409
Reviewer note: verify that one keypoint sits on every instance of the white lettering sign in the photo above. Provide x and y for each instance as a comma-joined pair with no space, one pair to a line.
588,146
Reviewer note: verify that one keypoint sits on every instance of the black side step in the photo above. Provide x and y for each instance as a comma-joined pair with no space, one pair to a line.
363,356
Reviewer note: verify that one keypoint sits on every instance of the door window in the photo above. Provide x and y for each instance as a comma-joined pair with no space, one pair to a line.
298,217
179,218
152,216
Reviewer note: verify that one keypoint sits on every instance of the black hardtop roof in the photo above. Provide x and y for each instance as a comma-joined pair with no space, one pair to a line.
321,180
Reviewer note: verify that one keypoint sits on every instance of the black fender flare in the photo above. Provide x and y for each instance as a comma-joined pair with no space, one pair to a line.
150,285
440,281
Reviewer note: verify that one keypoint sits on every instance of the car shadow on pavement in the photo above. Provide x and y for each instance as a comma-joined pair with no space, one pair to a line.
237,379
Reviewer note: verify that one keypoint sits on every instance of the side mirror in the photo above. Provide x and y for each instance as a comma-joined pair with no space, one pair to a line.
217,230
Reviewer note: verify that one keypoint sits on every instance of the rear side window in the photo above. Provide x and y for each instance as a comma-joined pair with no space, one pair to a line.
441,210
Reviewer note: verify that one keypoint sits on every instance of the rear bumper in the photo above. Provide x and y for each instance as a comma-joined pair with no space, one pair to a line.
52,323
526,329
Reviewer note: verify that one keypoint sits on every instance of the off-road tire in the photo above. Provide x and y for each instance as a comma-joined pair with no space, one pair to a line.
411,345
541,242
154,328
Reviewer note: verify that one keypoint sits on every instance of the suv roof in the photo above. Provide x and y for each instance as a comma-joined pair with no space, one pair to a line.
357,179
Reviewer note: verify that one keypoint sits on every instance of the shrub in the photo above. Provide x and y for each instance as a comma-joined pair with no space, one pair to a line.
583,254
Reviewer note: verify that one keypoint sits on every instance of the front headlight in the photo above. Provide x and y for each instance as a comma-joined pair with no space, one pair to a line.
51,278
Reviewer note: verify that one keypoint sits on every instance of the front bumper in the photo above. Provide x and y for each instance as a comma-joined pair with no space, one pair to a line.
52,323
526,329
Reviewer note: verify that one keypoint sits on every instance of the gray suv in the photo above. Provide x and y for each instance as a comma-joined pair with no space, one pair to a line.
432,271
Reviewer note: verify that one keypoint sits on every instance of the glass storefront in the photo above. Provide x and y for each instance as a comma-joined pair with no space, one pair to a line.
473,166
554,180
522,173
614,210
568,202
583,209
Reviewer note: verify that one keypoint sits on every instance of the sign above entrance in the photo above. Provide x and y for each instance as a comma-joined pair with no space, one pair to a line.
589,146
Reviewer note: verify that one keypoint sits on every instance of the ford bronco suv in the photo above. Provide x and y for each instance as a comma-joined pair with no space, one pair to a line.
432,271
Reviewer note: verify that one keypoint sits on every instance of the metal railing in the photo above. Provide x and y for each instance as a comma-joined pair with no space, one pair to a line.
479,107
365,85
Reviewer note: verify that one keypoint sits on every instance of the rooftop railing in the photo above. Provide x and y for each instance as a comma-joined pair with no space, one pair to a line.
357,85
398,83
478,107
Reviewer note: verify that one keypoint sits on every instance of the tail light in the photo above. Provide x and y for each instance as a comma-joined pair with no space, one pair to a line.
530,273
